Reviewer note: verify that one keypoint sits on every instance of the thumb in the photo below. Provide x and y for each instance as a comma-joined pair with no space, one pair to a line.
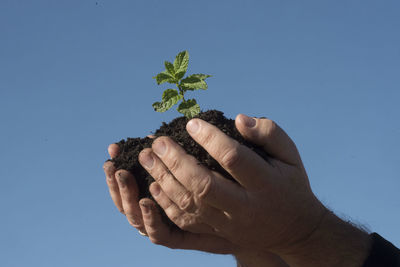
267,134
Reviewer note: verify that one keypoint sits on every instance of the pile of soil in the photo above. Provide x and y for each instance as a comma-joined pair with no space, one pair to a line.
176,130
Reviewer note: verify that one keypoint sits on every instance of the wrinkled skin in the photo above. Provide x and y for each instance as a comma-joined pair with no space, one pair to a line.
270,208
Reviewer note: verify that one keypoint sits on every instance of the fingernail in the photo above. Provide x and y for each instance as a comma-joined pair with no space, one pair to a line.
155,190
123,179
147,160
134,220
193,126
248,121
159,147
145,208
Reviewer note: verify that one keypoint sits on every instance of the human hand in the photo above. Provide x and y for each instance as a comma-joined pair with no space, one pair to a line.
123,191
270,208
146,218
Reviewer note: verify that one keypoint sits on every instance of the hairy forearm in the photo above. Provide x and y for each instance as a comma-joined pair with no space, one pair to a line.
334,243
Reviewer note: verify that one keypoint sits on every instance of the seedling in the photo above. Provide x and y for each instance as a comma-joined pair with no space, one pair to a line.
173,74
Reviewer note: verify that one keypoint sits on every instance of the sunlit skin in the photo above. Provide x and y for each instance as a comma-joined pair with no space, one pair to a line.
146,218
270,207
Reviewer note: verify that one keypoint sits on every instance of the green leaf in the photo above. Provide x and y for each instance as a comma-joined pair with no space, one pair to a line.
181,63
201,76
170,68
164,77
159,107
179,75
189,108
170,97
193,82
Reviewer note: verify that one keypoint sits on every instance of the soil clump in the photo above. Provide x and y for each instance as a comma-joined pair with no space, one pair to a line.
176,130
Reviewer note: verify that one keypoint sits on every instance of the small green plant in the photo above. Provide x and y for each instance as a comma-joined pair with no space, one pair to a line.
173,74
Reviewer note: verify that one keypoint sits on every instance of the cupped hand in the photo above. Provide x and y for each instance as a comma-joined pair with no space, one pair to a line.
123,191
146,218
270,207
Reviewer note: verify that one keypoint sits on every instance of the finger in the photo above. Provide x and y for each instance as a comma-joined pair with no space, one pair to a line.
224,194
113,150
161,234
109,171
270,136
129,196
166,180
184,220
183,166
197,179
244,165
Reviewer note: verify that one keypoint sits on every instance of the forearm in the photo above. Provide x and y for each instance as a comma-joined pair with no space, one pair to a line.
334,243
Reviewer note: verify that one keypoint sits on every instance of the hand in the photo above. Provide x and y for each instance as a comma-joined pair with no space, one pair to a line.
124,193
147,219
270,208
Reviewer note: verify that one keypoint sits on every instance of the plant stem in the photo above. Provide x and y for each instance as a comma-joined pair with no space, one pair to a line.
181,92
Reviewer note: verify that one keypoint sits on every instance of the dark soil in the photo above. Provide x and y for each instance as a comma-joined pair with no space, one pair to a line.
176,130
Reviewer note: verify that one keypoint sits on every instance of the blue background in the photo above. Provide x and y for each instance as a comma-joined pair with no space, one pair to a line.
76,76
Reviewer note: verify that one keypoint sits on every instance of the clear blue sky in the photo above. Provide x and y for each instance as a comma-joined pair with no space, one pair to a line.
76,76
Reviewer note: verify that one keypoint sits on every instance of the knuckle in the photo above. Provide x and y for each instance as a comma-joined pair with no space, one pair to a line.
186,223
231,158
206,186
174,164
207,138
163,176
186,202
175,217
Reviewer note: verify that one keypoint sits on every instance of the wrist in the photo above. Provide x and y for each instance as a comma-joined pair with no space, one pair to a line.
334,243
